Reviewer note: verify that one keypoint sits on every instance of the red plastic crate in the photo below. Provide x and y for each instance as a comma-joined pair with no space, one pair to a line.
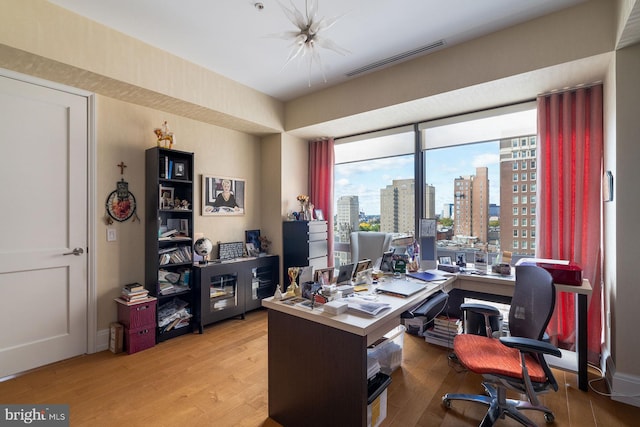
139,339
138,315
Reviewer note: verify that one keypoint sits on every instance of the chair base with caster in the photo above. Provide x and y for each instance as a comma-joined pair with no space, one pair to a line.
499,406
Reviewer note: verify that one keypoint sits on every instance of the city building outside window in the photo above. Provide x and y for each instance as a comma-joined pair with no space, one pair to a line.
467,162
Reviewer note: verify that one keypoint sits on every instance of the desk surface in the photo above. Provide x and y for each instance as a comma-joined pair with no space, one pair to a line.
496,280
361,324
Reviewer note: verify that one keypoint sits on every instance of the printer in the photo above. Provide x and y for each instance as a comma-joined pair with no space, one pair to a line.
562,272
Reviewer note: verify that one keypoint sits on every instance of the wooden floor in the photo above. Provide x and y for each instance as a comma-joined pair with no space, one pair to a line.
220,379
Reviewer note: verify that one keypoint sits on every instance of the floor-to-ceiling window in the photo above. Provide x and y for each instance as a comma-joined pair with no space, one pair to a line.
374,186
478,180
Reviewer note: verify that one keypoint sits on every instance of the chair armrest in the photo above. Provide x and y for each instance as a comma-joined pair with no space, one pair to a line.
530,345
480,309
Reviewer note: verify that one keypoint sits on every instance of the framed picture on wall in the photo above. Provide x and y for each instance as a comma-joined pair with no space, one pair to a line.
223,196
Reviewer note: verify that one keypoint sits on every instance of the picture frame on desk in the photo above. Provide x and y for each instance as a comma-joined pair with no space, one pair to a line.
253,236
323,276
444,260
319,215
251,250
223,196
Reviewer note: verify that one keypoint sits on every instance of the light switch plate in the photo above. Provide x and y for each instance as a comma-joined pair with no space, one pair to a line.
111,235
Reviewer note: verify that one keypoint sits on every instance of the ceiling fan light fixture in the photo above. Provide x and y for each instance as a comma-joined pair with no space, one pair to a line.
307,38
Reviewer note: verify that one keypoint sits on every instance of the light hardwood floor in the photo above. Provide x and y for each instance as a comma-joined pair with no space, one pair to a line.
220,379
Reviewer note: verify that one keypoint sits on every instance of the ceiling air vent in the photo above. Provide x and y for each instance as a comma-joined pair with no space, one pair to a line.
396,58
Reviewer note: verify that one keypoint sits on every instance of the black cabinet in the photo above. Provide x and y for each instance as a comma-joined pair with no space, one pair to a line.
169,238
303,243
228,289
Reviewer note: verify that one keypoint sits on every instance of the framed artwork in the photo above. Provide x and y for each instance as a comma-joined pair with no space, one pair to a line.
445,260
319,215
223,196
253,237
252,250
361,266
386,264
323,275
461,259
180,170
166,197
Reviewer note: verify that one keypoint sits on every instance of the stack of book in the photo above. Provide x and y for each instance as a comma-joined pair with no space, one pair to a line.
175,255
443,331
134,293
171,282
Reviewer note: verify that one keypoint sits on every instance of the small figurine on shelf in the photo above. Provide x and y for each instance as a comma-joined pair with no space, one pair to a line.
164,135
278,294
309,212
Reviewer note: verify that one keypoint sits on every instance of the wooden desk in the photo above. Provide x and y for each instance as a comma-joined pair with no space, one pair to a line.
318,363
504,285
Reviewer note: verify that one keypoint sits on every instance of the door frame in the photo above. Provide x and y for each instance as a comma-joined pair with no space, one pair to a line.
92,300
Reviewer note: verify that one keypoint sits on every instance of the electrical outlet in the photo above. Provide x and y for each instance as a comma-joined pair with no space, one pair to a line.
111,235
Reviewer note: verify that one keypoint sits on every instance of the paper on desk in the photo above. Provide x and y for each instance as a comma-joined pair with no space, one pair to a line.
371,308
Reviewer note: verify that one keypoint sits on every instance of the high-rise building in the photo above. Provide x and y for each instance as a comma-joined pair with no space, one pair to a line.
397,207
429,201
471,205
347,220
518,178
447,210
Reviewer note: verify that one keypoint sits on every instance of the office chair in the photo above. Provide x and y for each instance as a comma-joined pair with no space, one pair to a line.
369,245
515,362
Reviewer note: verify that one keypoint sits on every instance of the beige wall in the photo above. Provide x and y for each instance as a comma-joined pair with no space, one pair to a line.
221,120
625,292
124,131
44,40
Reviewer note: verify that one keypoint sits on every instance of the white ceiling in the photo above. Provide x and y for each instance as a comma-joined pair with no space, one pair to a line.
231,37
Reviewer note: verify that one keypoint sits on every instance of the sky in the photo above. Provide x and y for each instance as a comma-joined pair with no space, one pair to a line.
366,179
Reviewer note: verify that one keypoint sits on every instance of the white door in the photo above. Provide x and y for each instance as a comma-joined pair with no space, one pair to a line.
43,215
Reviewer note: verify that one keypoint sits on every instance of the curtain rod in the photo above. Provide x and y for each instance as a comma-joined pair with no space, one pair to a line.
569,89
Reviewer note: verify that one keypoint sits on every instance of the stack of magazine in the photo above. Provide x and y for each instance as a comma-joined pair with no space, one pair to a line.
363,306
175,255
443,331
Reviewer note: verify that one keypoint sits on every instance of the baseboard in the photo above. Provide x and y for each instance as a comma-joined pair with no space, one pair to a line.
624,388
102,340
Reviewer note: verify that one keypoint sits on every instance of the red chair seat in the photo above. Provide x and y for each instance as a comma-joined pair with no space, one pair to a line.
484,355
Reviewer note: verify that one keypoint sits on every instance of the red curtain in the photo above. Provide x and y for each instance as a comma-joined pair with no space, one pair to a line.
321,161
569,201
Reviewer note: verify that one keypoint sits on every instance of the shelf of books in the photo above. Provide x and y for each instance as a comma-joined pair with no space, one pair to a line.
443,331
169,239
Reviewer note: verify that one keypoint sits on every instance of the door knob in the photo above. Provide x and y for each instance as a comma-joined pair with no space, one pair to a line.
76,252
